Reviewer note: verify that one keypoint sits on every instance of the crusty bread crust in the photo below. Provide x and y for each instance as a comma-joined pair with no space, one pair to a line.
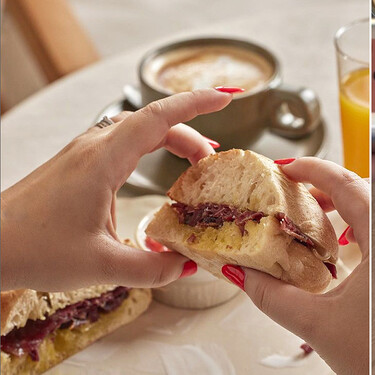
246,180
251,181
68,342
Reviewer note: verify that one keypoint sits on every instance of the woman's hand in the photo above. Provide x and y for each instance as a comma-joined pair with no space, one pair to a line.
59,225
335,324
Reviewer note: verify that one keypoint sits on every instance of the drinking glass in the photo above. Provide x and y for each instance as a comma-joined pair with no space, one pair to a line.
352,51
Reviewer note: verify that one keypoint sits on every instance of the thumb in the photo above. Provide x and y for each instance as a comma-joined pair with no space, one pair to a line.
292,308
124,265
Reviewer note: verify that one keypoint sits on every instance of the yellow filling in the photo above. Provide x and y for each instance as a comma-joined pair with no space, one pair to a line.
226,238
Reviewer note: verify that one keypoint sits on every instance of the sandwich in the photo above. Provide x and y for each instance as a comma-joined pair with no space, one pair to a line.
39,330
238,207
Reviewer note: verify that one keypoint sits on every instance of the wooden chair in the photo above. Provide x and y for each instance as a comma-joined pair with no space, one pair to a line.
54,36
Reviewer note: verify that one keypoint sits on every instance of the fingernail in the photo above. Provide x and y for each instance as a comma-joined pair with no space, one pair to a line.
190,267
235,274
230,90
155,246
213,143
343,240
284,161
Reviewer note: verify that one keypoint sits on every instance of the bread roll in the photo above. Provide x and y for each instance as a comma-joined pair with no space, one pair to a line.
249,181
67,342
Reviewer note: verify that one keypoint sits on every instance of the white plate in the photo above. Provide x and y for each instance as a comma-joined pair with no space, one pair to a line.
233,338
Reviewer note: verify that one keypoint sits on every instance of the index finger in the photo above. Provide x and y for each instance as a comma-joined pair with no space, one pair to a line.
325,202
350,194
144,130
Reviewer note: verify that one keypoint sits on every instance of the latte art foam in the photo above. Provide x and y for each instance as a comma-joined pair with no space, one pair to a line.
192,68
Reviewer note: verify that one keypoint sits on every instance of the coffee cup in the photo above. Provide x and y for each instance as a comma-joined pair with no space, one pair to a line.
266,103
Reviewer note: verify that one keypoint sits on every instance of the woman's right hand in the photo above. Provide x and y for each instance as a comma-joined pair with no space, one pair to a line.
335,324
58,224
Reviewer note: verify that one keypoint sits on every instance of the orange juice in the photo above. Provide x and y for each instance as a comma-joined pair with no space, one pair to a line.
355,116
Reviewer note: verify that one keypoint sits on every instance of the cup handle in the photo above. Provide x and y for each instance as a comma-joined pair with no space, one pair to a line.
293,112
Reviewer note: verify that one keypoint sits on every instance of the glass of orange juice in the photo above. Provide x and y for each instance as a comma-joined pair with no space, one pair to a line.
352,51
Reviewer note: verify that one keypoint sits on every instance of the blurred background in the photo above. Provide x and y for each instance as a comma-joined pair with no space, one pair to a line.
96,29
43,40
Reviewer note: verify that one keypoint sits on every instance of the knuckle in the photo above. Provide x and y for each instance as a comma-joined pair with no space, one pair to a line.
121,116
349,178
159,278
262,298
352,183
195,97
154,109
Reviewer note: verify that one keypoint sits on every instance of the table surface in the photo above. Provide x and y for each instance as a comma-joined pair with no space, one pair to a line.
299,33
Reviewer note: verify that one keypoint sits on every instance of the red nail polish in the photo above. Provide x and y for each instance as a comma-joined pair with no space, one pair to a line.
343,240
213,143
155,246
235,274
230,90
284,161
190,267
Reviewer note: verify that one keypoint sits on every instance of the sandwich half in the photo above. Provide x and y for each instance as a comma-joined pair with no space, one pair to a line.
39,330
238,207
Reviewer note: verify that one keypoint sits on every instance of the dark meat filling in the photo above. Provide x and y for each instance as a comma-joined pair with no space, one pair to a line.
290,228
331,268
26,340
214,215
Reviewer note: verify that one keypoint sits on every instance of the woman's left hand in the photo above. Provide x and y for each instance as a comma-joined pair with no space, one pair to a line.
335,324
59,223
